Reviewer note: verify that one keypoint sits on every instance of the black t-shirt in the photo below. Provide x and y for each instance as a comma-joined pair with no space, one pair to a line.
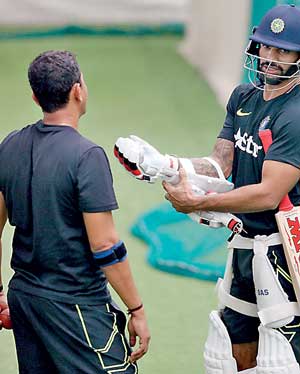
247,111
49,175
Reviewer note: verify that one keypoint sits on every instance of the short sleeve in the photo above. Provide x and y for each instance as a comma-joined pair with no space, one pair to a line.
227,131
286,140
2,164
95,183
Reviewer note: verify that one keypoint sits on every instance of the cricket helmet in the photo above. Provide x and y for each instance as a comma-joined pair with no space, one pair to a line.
279,28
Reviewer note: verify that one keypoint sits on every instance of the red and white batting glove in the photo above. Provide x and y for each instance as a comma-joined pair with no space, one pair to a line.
143,161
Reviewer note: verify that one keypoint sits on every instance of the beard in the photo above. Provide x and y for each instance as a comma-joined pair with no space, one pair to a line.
268,78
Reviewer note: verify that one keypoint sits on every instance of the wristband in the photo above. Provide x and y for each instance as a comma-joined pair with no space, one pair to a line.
1,287
130,311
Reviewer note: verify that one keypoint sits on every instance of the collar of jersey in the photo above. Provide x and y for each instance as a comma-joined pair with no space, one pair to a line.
51,128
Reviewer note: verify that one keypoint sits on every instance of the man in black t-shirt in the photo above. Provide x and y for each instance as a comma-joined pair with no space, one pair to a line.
57,191
257,327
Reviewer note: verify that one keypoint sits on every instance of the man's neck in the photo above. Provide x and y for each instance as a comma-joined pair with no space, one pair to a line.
61,118
271,91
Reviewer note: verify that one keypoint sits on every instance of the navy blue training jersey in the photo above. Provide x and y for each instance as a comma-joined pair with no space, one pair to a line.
49,175
247,111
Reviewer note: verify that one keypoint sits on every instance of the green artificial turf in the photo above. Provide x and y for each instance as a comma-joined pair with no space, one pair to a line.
136,86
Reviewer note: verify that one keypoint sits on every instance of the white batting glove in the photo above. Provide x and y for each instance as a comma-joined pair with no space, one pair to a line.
215,219
143,161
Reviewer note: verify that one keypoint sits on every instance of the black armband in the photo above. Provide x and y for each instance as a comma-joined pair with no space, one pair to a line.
117,253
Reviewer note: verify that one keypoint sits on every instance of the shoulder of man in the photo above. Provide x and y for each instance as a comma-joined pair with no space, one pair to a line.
86,145
15,133
243,89
240,92
290,108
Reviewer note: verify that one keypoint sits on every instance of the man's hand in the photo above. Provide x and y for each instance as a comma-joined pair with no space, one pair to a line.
181,195
3,301
143,161
137,327
4,313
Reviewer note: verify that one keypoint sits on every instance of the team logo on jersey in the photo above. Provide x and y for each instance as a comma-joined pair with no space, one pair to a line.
264,123
277,25
242,114
246,144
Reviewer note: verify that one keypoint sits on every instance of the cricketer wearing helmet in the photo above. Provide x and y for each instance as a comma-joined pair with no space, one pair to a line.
257,326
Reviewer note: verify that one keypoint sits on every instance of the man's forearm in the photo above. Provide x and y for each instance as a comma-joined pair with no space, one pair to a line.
235,202
204,167
120,277
277,180
222,154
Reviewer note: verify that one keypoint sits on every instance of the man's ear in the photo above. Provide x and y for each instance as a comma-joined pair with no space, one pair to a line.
34,98
76,91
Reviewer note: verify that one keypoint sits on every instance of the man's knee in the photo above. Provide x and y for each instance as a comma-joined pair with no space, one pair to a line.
245,355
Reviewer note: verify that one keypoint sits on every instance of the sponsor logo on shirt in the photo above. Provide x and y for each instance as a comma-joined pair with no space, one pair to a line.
242,114
264,123
246,144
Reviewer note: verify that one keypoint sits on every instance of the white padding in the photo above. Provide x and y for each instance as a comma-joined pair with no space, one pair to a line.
281,311
273,306
216,166
241,242
209,184
275,354
218,357
187,165
223,290
241,306
269,292
248,371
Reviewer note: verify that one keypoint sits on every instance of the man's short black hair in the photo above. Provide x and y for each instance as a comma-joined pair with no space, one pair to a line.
52,74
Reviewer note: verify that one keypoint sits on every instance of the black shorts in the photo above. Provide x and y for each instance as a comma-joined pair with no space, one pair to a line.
56,338
242,328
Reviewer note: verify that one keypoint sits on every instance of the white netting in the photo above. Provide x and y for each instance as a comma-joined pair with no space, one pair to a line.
216,30
57,12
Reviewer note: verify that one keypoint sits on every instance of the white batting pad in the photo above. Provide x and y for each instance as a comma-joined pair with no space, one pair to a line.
218,357
275,354
248,371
